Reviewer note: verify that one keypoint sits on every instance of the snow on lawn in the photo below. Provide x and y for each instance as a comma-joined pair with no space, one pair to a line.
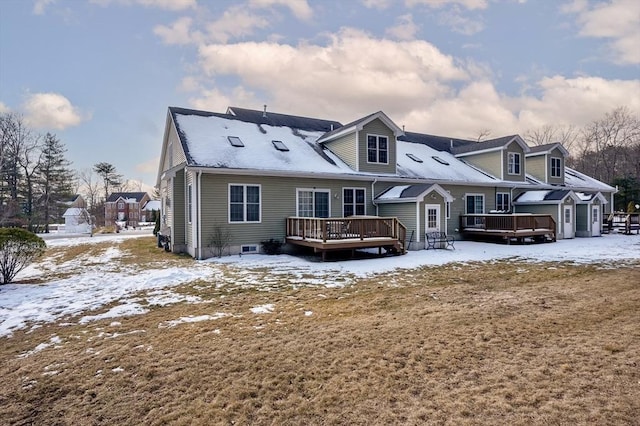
97,283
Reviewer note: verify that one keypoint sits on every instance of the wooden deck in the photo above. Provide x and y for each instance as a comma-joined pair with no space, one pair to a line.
339,233
540,227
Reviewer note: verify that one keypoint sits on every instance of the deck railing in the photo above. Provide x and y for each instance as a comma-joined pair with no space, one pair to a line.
343,228
507,222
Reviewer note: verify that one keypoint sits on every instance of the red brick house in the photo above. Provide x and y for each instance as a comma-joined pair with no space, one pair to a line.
125,207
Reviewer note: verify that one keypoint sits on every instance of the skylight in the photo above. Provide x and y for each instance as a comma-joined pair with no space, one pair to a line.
235,141
414,158
280,146
439,160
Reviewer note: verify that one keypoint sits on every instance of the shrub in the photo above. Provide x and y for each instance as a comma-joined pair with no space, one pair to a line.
271,246
18,248
220,239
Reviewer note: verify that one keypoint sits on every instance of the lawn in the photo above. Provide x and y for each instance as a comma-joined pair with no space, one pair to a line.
495,342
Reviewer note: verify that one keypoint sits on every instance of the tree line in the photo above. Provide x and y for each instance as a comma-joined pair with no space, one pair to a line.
37,182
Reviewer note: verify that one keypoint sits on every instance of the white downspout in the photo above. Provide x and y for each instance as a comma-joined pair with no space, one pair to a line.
373,195
199,211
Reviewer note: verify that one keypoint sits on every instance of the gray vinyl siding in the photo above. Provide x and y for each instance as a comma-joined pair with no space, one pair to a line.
458,206
377,127
556,180
515,148
490,162
174,154
278,201
178,207
345,148
406,214
188,227
536,167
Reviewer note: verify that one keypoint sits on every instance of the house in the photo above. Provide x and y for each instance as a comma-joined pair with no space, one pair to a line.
150,210
256,175
76,200
77,220
125,207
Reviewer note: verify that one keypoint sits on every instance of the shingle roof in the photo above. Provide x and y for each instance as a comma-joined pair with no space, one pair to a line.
439,143
283,120
548,147
481,146
126,195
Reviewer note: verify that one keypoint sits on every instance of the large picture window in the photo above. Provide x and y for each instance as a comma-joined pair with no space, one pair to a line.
556,167
313,203
377,149
244,203
513,164
353,202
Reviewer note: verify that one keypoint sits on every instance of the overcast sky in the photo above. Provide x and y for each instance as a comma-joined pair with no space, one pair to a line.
100,74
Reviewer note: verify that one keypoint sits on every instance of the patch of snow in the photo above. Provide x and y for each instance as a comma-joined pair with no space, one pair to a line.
308,313
263,309
54,340
191,318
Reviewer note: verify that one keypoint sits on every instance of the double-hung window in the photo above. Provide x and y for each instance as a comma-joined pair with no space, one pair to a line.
353,201
503,201
513,163
475,205
244,203
313,202
556,167
377,149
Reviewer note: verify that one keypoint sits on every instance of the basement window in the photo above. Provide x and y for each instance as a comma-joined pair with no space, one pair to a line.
280,146
414,158
235,141
249,249
440,160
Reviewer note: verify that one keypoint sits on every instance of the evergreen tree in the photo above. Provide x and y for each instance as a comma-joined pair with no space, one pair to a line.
110,177
56,179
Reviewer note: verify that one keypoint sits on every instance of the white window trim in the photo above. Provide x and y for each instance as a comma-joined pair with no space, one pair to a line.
249,249
509,164
378,148
244,185
314,190
560,168
474,194
354,203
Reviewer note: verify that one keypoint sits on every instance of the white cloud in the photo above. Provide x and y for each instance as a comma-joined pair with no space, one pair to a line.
376,4
40,5
300,8
51,110
459,23
405,28
4,108
178,32
616,20
161,4
235,22
469,4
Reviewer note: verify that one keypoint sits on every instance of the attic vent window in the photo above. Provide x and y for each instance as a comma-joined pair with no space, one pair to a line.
235,141
414,158
440,160
280,146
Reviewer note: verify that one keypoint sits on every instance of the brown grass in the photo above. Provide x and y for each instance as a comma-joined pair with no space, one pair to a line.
502,343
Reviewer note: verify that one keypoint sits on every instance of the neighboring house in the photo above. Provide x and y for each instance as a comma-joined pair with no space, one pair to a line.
125,207
255,174
76,201
77,221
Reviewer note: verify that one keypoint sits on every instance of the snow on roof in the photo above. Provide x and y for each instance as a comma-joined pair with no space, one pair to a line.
393,192
532,196
207,144
575,179
152,205
432,169
74,211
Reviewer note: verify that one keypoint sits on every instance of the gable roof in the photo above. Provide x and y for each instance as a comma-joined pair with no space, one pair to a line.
546,149
439,143
490,145
115,196
359,124
409,193
552,196
283,120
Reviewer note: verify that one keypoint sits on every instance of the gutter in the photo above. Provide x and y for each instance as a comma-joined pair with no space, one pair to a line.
373,197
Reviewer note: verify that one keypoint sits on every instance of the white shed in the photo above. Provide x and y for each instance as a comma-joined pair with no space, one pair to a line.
77,221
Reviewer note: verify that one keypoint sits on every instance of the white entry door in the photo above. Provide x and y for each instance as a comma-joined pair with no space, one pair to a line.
432,217
595,221
568,222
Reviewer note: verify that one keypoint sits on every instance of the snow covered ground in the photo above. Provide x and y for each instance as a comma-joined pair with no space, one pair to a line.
101,280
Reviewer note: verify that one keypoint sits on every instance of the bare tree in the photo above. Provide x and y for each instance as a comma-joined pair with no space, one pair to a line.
483,134
565,135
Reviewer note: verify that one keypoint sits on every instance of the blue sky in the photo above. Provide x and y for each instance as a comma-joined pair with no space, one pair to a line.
100,74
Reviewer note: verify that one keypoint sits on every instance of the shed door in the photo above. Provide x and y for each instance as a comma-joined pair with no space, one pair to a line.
595,221
432,217
568,222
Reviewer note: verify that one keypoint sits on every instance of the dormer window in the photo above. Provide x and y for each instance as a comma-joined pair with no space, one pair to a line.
556,167
280,146
513,164
440,160
377,149
414,157
235,141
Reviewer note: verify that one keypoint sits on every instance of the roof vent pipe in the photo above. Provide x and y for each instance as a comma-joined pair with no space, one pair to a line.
451,142
403,127
264,112
332,127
